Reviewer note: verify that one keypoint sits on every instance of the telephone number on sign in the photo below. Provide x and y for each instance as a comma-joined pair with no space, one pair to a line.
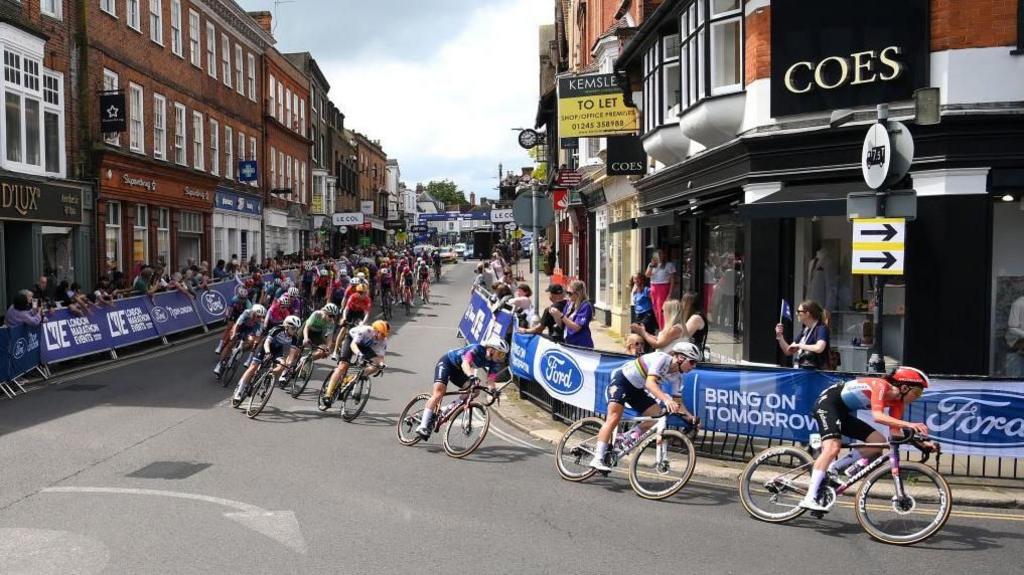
598,125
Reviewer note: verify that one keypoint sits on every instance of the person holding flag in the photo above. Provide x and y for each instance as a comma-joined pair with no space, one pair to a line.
811,350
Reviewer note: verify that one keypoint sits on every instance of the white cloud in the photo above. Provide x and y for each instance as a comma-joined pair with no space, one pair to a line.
454,112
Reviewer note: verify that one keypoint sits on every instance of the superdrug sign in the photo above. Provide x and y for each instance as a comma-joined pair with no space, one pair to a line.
844,53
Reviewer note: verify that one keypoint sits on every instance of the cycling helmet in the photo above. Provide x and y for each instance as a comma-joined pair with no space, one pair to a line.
687,350
330,309
242,292
496,343
361,276
324,272
258,311
292,321
361,288
308,266
382,327
904,375
293,292
285,299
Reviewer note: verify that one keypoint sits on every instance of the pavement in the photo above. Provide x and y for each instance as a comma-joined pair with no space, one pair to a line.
142,466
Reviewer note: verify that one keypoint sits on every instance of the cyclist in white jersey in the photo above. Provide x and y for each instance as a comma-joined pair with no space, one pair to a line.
638,383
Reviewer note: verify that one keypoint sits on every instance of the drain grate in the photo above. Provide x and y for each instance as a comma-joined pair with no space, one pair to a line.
169,470
83,387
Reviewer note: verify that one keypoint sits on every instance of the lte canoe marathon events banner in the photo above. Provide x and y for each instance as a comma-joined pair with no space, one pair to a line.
480,321
976,417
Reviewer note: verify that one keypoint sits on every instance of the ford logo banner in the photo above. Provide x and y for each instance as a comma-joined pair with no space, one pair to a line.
561,372
979,419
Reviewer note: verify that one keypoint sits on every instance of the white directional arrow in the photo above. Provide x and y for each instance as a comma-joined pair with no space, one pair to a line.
281,526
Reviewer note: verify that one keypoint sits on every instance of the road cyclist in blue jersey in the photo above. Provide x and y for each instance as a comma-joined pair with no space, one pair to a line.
459,366
276,344
239,304
247,328
638,383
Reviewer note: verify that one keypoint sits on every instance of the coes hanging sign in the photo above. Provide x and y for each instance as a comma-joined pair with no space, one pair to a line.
592,106
842,54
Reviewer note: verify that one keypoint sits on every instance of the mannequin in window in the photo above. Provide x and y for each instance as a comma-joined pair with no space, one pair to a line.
1015,339
822,275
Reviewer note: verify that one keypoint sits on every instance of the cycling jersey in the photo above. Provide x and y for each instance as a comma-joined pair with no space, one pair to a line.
277,312
338,290
323,281
657,364
869,392
247,323
277,344
308,276
365,338
238,305
319,321
359,302
476,355
385,278
407,279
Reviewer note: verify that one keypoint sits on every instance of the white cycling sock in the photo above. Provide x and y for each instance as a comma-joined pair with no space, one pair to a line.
817,476
845,461
602,448
428,416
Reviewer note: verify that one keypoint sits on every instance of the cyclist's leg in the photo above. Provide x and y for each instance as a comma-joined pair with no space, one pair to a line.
339,373
830,412
243,382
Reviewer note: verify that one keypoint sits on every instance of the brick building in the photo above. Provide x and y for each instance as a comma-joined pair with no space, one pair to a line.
372,182
46,218
343,172
190,73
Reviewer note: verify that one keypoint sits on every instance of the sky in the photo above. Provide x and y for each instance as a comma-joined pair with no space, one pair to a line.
441,83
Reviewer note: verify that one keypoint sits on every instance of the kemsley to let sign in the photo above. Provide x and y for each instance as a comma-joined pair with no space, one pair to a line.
592,106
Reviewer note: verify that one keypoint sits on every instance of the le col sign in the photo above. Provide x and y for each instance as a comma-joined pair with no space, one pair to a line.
349,219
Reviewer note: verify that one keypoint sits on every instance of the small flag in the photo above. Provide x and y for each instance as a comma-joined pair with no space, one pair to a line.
786,311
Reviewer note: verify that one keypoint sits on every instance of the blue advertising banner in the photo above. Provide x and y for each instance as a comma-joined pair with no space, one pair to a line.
6,364
977,417
130,322
67,336
213,303
172,312
24,350
479,321
229,200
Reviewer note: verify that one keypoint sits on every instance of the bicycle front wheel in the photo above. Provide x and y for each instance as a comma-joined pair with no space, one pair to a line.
410,419
774,482
355,398
921,511
260,394
466,430
576,448
661,468
301,379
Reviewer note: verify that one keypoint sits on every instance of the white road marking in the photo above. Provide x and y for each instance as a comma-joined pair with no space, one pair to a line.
281,526
515,440
45,551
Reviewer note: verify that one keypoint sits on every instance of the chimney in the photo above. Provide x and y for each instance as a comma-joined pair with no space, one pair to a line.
264,19
472,198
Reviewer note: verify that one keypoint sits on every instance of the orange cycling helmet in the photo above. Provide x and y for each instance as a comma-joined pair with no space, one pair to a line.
382,327
361,288
904,375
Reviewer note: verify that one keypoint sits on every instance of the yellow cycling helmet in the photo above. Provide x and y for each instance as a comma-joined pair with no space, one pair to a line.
382,327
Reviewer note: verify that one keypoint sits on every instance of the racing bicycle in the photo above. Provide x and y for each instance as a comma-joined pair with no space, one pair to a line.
385,303
298,377
353,392
901,503
663,463
229,367
468,419
259,388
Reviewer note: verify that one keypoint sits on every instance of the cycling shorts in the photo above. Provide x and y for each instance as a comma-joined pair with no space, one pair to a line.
445,372
621,391
354,317
316,338
346,351
259,356
835,420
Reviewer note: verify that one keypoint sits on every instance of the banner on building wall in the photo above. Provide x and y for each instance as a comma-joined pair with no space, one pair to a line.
592,106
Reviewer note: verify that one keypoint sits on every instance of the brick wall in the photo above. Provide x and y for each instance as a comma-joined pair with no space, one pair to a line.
758,46
973,24
283,139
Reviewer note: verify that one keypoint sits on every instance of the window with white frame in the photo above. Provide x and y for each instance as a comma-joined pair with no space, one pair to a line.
176,27
251,60
229,153
136,123
288,173
191,223
273,167
239,71
225,58
288,108
672,84
295,107
32,103
179,135
241,147
280,163
109,6
194,48
159,127
163,235
156,21
110,81
53,123
302,175
112,236
313,131
252,157
52,8
302,118
214,147
198,157
134,17
211,50
272,97
711,52
312,99
280,102
140,237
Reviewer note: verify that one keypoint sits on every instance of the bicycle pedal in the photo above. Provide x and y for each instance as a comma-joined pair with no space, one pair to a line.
818,514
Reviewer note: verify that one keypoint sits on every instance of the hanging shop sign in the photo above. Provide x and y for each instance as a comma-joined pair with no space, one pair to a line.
560,199
366,207
248,171
569,143
626,156
113,118
234,202
592,106
832,55
568,178
38,202
502,216
347,219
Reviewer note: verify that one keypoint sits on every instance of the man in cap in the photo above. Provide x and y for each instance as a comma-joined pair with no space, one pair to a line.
556,331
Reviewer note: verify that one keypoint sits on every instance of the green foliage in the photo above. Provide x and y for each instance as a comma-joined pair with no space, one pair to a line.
540,172
446,191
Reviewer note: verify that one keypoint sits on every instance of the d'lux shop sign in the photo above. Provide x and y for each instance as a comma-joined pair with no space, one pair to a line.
845,53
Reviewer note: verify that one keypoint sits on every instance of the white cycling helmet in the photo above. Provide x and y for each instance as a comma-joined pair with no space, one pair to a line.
324,272
292,321
330,309
293,292
361,275
258,311
242,292
496,343
687,350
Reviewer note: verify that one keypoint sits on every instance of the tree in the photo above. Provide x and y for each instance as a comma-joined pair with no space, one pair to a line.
446,192
540,172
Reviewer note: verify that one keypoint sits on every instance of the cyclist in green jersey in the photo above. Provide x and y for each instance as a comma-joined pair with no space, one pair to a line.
317,331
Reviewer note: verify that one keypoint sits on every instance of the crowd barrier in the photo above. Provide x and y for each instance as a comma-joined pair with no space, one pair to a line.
482,320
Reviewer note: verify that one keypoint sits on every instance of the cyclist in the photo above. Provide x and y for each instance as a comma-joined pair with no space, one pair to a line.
386,280
367,341
458,366
247,328
308,276
836,413
638,383
281,308
357,307
238,304
339,287
316,331
436,257
277,343
321,286
423,277
407,284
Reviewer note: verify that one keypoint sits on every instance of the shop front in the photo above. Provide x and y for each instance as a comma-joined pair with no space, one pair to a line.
237,223
278,237
300,228
44,231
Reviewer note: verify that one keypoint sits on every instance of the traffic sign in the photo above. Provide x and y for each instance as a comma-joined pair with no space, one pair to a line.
522,209
878,246
560,196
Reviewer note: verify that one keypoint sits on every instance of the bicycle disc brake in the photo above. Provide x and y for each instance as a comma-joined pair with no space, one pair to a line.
903,505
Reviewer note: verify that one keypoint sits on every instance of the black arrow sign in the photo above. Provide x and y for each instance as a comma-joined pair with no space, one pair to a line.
889,232
887,261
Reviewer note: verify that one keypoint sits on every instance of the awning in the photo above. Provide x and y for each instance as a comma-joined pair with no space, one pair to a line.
656,220
622,225
803,201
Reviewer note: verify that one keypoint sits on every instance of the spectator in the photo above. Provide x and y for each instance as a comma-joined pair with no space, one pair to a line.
663,282
41,291
522,305
219,271
143,282
103,295
24,310
674,331
810,351
643,309
479,281
556,331
635,345
577,316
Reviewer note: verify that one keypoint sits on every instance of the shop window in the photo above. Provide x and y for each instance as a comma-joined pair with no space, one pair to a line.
229,153
159,127
113,236
194,49
724,238
179,135
176,27
163,235
58,247
603,260
190,230
140,238
1008,287
156,21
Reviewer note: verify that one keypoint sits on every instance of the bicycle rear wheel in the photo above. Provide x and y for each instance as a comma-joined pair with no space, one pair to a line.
260,394
466,430
301,379
354,398
660,470
228,376
919,514
773,483
410,419
576,448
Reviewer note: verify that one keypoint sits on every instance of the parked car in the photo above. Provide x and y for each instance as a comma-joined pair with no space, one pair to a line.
448,255
460,249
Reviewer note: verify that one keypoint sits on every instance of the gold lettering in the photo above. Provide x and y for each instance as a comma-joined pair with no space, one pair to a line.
863,61
789,78
893,64
819,77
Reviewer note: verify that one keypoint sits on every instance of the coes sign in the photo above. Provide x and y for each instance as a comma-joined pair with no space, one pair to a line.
845,53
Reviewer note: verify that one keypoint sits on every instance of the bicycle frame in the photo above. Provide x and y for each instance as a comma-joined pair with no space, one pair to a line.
467,395
893,457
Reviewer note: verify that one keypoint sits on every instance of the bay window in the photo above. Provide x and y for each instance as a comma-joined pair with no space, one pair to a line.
712,49
33,117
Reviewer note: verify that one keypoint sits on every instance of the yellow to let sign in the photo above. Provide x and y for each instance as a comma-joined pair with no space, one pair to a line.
592,106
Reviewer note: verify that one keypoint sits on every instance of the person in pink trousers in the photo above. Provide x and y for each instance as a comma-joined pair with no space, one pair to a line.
663,282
